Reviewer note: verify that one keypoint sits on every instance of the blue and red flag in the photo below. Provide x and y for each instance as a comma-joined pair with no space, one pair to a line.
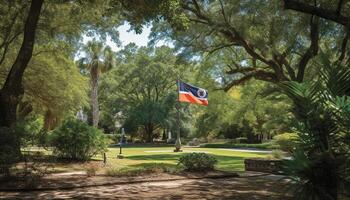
192,94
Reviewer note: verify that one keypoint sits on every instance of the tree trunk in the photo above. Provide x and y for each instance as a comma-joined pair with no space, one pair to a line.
12,91
50,120
327,177
149,132
164,137
94,95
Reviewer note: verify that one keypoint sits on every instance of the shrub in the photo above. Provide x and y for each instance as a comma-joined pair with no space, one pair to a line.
241,140
197,162
231,131
30,131
286,141
76,140
193,142
277,154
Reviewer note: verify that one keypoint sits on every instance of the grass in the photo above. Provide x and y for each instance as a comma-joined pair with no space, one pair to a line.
137,159
267,145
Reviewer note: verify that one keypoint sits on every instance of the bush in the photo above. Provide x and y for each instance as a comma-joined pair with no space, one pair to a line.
231,131
276,154
286,141
193,142
30,131
76,140
241,140
197,162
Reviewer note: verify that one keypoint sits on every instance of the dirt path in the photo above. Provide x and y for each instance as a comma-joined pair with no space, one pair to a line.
247,188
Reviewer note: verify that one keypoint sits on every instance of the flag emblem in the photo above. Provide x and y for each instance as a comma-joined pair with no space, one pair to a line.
192,94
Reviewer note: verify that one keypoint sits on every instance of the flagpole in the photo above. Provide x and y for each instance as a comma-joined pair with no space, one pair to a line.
178,140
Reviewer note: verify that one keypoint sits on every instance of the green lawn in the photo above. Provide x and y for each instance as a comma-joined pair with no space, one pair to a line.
136,157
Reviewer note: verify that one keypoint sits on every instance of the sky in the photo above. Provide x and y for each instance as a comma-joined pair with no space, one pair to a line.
126,37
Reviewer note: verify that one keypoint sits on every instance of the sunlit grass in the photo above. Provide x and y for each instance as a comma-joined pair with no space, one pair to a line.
138,158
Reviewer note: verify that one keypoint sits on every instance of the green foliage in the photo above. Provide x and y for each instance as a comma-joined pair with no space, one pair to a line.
30,130
146,85
197,162
287,141
245,111
76,140
309,174
232,131
51,81
320,162
139,13
277,154
241,140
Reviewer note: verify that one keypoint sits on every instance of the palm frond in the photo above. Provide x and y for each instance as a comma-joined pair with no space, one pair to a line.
337,79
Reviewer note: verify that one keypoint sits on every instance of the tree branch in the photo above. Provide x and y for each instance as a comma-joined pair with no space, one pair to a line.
339,7
320,12
258,74
282,59
241,70
343,46
218,47
231,34
312,50
6,46
13,82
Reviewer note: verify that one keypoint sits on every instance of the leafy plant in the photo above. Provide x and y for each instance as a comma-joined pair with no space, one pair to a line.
320,164
30,130
286,141
76,140
277,154
197,162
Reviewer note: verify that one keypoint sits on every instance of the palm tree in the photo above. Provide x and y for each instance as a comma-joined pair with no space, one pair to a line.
98,59
321,164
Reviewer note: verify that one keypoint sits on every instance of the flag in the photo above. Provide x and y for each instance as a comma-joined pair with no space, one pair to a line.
192,94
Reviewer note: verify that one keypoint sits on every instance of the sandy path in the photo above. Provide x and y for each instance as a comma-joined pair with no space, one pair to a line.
250,188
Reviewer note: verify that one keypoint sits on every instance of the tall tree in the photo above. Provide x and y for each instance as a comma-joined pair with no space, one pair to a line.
337,12
28,31
12,91
98,59
263,41
145,81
